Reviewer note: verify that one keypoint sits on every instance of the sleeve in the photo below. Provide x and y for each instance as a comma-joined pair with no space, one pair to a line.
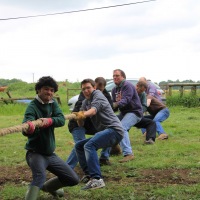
143,100
57,116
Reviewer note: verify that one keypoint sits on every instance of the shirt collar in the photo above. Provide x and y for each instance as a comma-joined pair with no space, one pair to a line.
40,100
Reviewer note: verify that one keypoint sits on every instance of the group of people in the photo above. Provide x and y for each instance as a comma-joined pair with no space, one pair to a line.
95,115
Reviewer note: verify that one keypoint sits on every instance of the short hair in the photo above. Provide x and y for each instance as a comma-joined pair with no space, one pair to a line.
46,81
88,80
121,72
142,84
100,81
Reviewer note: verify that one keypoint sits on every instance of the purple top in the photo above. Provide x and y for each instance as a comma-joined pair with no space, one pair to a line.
152,90
127,98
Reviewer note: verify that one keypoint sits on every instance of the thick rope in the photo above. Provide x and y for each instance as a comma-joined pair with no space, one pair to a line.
25,126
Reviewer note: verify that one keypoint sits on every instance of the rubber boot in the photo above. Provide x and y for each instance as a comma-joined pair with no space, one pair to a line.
54,187
32,193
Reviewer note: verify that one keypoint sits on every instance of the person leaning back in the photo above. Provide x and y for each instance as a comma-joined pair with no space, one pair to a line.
40,146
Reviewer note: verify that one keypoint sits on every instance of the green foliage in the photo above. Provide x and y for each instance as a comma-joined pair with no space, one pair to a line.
22,88
188,100
6,82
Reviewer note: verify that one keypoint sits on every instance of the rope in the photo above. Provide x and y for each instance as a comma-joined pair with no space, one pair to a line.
25,126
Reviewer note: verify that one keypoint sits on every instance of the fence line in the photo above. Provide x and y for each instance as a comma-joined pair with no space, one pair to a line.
168,87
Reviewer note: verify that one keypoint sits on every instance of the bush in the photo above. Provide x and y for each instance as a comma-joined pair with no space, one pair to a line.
188,101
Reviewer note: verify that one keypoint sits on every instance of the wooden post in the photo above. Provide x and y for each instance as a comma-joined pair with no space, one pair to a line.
194,90
181,91
170,90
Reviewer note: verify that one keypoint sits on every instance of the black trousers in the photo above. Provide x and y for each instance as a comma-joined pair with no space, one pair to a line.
150,127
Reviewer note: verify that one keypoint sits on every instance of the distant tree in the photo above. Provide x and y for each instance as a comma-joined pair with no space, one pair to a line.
7,82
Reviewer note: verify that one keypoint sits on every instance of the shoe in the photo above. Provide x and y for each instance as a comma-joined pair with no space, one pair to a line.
85,178
104,162
127,158
115,150
94,184
149,141
162,136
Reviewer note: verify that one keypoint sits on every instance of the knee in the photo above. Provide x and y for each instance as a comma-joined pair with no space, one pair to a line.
89,145
78,146
73,180
39,180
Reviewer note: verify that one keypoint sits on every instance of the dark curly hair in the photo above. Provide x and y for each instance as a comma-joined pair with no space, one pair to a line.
46,81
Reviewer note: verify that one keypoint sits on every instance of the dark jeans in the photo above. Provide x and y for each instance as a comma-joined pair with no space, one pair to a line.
40,163
150,127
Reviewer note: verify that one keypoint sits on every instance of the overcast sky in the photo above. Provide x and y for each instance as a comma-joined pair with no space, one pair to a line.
159,39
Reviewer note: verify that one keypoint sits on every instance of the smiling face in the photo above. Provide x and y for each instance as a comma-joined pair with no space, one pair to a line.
45,93
87,90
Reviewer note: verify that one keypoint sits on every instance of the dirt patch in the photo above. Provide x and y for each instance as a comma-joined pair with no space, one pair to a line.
22,175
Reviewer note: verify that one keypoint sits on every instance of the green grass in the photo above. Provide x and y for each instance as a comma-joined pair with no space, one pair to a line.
167,170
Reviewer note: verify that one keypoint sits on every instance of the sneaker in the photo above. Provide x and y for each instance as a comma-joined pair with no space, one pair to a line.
149,141
127,158
104,162
85,178
162,136
94,184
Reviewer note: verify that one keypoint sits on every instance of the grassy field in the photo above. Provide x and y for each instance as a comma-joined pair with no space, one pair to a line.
166,170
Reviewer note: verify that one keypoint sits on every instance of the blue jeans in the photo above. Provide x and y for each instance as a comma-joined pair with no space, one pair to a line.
161,116
78,135
40,163
86,150
128,120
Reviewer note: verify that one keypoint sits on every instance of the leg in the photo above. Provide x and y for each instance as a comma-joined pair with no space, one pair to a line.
38,164
104,157
78,134
148,117
32,193
103,139
128,120
150,127
160,117
79,147
63,171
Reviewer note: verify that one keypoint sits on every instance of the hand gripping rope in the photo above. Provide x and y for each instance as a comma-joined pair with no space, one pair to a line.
25,126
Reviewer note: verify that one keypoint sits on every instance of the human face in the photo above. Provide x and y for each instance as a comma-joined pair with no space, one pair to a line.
117,77
87,90
140,89
46,93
